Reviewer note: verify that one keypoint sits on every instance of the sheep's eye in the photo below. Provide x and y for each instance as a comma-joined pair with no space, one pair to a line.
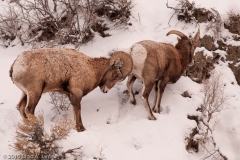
114,76
190,42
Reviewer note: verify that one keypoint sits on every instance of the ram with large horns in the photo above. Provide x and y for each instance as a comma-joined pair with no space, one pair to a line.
67,71
157,64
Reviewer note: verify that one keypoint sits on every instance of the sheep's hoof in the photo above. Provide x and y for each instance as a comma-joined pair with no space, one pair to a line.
133,102
80,129
156,110
152,118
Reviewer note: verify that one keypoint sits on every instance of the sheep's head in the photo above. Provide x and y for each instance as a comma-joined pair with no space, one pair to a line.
121,66
189,43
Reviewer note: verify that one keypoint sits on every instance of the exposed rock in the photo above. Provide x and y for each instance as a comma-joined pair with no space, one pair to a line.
221,45
190,13
233,24
208,43
186,94
202,15
201,68
192,144
233,55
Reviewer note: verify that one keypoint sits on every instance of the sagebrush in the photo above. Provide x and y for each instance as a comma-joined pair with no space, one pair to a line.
58,22
34,142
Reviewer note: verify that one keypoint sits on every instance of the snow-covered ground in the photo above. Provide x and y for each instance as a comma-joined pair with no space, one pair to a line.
118,130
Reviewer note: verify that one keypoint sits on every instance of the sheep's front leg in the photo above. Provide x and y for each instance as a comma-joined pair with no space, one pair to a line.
161,86
145,94
131,79
75,99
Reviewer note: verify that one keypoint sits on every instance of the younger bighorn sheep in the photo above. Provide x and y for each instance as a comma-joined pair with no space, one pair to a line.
67,71
157,64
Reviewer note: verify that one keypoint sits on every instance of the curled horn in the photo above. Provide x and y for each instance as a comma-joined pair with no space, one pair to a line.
123,61
180,34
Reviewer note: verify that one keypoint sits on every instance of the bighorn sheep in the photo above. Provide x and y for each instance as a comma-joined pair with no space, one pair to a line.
67,71
157,64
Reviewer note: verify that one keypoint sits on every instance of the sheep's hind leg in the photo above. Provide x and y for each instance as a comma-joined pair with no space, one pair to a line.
131,79
161,86
145,94
75,99
22,104
32,101
155,92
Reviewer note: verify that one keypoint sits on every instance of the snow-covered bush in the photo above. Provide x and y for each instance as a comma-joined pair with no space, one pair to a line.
59,22
213,102
188,12
34,142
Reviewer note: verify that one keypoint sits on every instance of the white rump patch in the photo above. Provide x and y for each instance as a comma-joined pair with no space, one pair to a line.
139,55
19,65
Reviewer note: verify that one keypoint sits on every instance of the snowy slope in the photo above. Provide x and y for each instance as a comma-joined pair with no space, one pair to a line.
117,130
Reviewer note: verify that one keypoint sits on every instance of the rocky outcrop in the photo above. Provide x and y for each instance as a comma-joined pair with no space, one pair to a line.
202,67
233,24
205,64
233,55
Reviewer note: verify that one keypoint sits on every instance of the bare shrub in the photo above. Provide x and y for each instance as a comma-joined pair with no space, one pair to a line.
101,155
215,24
61,21
59,101
35,143
188,12
213,102
183,9
9,26
213,97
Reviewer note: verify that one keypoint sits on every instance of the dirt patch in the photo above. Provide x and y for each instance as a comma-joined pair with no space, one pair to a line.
202,15
234,57
202,67
208,43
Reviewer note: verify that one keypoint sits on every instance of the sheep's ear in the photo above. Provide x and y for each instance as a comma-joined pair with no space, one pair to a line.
196,37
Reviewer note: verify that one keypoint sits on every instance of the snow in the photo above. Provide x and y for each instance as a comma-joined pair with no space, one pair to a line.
118,130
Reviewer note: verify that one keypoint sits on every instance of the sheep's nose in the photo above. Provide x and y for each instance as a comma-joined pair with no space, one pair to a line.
104,90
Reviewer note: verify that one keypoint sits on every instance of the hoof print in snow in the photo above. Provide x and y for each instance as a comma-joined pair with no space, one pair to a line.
109,120
123,97
136,92
165,111
125,92
186,94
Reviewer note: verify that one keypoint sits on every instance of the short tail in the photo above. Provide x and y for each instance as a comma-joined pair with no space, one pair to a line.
11,71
